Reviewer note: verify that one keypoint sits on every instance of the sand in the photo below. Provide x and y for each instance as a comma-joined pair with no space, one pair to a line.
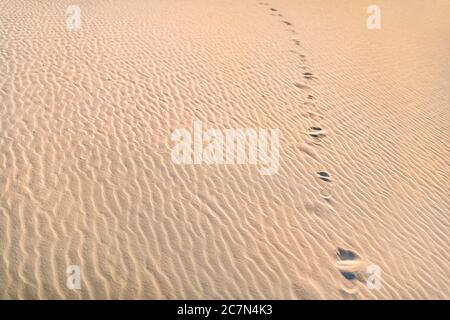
87,179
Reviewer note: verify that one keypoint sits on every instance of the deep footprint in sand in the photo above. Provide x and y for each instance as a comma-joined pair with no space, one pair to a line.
316,132
324,192
348,264
325,176
346,255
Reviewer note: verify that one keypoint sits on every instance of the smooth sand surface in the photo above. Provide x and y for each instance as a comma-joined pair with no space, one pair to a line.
86,176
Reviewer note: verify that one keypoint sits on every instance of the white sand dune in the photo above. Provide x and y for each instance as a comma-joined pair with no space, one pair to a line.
86,176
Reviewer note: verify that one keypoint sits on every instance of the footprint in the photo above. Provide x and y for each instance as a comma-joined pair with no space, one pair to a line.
313,115
287,22
316,207
325,176
316,132
325,194
348,275
308,75
297,42
309,104
272,9
302,86
348,264
345,255
302,56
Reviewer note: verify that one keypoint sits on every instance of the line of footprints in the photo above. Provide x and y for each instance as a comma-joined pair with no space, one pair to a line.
348,262
316,133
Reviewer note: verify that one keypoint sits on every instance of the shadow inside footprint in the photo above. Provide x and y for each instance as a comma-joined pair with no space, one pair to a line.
348,275
316,132
348,264
308,75
302,86
346,254
325,176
